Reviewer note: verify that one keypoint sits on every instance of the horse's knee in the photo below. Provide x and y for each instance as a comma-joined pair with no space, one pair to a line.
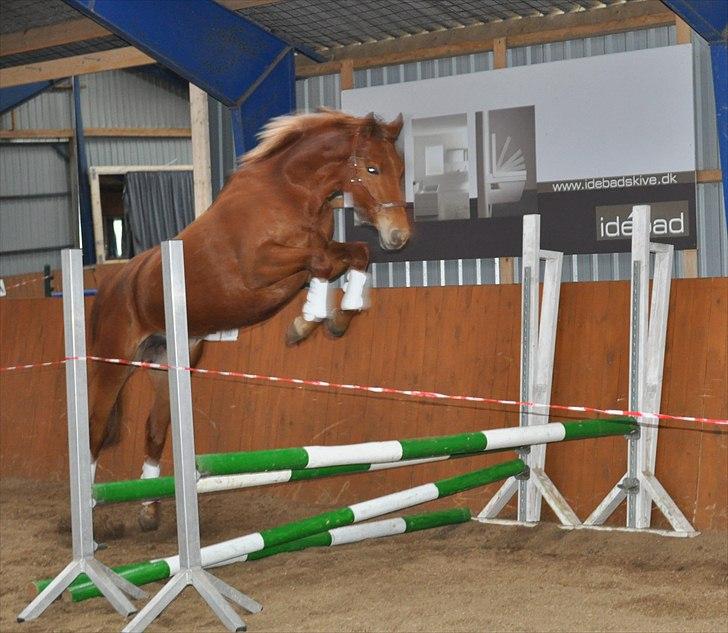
359,255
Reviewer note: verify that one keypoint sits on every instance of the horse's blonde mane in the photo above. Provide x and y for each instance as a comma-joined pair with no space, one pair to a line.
282,130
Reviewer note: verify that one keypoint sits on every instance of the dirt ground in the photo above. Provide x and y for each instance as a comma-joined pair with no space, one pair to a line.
468,577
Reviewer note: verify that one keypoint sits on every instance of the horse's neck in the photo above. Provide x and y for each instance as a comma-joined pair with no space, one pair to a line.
319,170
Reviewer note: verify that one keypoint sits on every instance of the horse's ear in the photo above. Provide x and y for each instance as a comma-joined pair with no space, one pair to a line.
370,126
393,129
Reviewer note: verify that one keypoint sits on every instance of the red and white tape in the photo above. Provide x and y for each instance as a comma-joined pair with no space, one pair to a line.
28,281
411,393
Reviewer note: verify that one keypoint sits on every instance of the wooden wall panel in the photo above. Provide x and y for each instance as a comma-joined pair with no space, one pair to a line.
454,340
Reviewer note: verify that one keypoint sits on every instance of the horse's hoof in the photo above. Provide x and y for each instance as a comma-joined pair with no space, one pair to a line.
149,517
335,329
299,330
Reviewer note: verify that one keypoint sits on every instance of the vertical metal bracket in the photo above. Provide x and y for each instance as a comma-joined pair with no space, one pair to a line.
111,585
214,591
538,341
648,333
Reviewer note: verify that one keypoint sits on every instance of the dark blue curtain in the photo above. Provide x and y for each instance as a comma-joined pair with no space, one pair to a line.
158,205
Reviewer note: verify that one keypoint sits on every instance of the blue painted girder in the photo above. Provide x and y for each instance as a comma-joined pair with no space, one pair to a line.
274,95
14,96
213,48
709,18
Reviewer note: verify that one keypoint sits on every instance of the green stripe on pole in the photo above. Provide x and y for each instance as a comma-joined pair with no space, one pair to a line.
252,461
417,522
134,490
306,527
479,477
585,429
136,573
83,589
328,471
444,445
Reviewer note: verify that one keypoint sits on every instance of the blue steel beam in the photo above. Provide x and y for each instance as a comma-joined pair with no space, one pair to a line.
273,95
84,188
218,50
709,18
14,96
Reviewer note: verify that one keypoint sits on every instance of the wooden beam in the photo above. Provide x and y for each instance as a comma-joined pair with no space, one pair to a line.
104,132
201,171
36,133
506,270
709,175
53,35
474,39
347,75
689,263
683,32
500,53
126,57
82,29
139,132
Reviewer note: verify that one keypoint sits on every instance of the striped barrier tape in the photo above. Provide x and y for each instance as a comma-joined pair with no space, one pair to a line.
411,393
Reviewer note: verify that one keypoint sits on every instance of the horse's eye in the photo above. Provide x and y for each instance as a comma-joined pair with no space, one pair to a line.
373,170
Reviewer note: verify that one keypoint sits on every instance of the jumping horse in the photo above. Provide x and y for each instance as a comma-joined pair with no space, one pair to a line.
266,236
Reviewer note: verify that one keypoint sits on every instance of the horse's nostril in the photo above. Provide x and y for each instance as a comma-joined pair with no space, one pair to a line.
399,237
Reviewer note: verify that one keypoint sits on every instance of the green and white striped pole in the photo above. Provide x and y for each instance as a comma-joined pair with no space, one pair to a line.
161,487
227,471
398,450
84,589
237,548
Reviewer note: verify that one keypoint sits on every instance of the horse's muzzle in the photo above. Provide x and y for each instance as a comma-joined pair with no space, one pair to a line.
394,240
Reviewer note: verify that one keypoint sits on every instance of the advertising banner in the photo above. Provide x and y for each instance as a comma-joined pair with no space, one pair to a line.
577,141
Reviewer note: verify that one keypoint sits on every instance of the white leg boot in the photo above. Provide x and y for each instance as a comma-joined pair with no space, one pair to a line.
356,291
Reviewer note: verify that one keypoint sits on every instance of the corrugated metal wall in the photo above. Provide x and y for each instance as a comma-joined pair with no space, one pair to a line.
713,250
36,207
133,98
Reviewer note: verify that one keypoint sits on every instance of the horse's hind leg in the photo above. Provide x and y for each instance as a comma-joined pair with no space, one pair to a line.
158,424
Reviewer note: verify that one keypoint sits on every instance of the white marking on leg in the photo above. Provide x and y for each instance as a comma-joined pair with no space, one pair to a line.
318,300
356,290
150,470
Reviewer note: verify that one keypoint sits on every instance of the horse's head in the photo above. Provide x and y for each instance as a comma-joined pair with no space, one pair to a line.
375,180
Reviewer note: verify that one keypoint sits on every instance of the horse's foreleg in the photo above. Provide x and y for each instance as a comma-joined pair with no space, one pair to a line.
356,288
157,429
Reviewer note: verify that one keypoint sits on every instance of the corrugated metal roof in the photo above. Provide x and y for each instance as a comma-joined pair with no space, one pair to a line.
324,24
317,24
21,15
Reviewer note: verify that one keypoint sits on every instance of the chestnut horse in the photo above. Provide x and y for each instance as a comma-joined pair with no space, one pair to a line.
267,235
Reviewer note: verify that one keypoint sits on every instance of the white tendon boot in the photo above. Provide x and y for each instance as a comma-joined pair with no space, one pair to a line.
356,291
318,301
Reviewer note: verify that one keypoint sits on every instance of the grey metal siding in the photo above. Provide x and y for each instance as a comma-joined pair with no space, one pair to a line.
35,181
35,206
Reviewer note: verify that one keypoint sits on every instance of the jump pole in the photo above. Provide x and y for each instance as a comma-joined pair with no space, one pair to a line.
161,487
648,334
116,590
227,471
236,549
83,588
538,341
